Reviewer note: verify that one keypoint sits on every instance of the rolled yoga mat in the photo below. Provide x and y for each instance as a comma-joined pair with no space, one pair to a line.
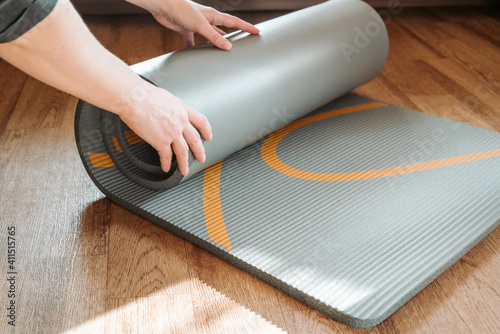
351,205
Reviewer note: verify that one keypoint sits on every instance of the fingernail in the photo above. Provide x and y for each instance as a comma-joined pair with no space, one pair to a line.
203,158
226,45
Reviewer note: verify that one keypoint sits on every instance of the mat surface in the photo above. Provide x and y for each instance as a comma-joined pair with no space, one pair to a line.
352,207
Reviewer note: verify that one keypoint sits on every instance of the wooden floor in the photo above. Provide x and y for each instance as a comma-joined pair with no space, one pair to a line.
86,265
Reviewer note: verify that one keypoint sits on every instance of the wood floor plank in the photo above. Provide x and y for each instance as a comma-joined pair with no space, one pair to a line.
61,246
144,259
289,303
450,107
132,47
493,242
11,81
459,79
487,29
480,310
159,313
399,78
139,37
452,40
384,89
311,321
414,45
42,103
229,300
48,210
449,99
430,311
478,91
40,162
59,294
106,29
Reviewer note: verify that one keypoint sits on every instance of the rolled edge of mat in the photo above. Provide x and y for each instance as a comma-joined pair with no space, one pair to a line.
299,62
288,71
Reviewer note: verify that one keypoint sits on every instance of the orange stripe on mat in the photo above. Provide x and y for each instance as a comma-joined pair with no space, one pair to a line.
117,145
270,145
101,160
212,206
132,138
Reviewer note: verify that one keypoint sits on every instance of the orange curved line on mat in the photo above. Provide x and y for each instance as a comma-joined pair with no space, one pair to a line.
270,156
101,160
212,206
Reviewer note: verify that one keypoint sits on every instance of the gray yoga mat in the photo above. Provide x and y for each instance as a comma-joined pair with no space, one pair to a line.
348,204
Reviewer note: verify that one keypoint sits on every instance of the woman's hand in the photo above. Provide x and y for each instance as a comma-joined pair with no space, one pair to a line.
187,17
168,124
61,52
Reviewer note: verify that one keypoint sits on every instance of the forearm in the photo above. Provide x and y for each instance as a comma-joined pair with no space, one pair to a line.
62,52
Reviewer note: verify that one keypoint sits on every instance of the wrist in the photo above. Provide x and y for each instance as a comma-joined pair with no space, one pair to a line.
130,98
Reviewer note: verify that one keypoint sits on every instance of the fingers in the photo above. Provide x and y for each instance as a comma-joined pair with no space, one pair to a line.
220,31
210,17
207,30
188,38
192,138
199,120
165,158
218,18
203,20
181,149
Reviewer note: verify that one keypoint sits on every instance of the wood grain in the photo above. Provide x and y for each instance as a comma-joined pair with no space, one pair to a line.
228,299
88,266
156,263
12,83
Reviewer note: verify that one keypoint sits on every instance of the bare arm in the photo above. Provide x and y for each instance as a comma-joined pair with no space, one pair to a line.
62,52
